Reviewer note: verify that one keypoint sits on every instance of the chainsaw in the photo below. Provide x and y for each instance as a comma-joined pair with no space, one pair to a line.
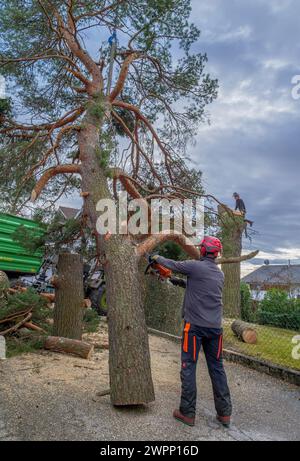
153,268
163,274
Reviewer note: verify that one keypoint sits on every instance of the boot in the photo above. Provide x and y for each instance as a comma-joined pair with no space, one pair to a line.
184,419
224,420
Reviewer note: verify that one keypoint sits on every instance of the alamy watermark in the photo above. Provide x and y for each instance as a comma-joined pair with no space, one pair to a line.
296,88
160,216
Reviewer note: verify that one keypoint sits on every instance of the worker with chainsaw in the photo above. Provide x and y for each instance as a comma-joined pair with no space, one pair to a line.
202,313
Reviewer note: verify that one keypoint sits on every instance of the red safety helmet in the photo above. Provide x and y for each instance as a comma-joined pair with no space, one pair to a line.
211,245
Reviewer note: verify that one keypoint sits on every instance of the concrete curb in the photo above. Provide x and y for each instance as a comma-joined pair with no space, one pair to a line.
287,374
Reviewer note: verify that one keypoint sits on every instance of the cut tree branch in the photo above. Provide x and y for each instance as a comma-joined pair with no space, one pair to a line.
154,240
157,239
126,181
237,259
59,169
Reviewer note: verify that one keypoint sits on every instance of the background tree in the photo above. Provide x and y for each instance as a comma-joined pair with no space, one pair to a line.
231,232
58,63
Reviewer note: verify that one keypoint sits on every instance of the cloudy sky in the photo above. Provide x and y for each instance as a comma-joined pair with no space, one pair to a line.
252,144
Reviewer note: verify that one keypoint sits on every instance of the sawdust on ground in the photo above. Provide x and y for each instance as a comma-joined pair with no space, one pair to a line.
48,396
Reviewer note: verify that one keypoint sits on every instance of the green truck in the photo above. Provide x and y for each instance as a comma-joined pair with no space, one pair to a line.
32,270
13,256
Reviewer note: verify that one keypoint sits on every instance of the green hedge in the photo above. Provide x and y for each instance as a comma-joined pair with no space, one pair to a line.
275,309
279,310
247,312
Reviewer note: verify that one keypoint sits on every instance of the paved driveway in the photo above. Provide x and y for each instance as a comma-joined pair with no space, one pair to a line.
54,397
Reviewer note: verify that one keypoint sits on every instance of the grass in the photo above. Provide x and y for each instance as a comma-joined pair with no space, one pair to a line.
273,344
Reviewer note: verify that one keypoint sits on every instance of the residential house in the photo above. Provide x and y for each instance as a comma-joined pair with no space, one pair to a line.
282,276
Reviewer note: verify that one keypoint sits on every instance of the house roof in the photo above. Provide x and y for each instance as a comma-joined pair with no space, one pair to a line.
68,212
274,274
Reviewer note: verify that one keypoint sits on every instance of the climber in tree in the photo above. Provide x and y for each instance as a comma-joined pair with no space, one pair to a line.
239,203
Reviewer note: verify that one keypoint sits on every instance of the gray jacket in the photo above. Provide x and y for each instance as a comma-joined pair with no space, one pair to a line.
203,296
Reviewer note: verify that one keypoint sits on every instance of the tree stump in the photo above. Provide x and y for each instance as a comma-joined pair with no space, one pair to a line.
69,346
69,297
232,228
244,331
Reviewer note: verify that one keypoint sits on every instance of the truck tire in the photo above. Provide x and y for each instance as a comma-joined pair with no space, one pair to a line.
98,299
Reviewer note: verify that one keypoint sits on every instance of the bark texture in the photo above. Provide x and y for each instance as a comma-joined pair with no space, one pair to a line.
69,298
129,356
231,234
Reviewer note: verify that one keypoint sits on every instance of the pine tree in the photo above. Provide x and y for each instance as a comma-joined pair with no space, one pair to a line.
87,78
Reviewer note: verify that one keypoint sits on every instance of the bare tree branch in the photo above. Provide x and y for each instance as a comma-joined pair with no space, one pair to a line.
157,239
59,169
123,74
237,259
154,240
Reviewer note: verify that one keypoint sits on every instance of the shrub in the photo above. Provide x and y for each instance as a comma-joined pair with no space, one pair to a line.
247,312
279,310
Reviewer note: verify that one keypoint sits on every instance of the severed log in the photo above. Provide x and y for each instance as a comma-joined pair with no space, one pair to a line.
18,289
244,331
69,346
87,303
34,327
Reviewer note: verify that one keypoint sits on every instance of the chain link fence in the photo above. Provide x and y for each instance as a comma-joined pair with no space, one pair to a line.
276,321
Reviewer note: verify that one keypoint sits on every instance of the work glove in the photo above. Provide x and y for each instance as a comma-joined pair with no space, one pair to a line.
178,282
153,258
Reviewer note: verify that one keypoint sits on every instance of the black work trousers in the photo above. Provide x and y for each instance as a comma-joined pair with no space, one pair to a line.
210,339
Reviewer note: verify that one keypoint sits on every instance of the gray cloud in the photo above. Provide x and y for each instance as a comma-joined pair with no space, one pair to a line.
252,144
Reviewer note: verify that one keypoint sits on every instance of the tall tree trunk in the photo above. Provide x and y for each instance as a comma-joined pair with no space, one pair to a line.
231,233
69,297
129,356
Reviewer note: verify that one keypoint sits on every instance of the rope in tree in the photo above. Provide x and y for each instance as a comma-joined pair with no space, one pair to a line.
113,46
